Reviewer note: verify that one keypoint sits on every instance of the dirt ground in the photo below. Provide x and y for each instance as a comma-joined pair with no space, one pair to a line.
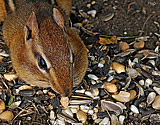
120,17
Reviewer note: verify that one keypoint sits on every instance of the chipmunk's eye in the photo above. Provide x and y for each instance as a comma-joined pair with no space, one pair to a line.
42,63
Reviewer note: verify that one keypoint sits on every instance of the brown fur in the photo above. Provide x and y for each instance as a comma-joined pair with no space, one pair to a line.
50,41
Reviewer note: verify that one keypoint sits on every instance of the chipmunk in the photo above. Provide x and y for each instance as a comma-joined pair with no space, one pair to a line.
44,50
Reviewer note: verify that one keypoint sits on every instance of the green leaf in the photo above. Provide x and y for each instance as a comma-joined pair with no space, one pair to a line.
10,100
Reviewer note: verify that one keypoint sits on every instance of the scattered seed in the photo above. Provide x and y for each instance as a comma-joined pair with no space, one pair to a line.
68,111
80,91
133,94
119,68
52,115
150,98
65,117
74,108
111,106
10,76
114,120
81,116
24,87
122,105
95,92
15,104
94,116
134,109
123,46
156,103
107,17
155,118
92,13
2,106
110,87
98,120
148,82
122,96
64,101
121,119
141,82
27,92
132,72
94,77
139,45
157,90
6,116
105,121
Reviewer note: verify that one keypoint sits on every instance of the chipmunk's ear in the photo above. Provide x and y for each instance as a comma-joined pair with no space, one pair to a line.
58,17
31,27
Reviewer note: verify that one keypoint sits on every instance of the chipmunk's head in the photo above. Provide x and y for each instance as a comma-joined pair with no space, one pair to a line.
49,56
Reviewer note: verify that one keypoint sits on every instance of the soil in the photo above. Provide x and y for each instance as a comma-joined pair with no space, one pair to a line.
130,17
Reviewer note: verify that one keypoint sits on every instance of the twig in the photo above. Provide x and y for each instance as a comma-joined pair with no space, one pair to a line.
146,22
